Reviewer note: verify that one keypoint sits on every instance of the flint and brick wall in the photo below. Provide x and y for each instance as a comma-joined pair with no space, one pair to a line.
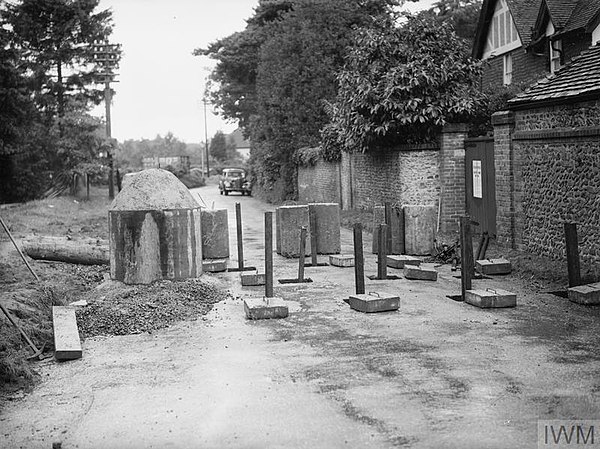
406,175
548,173
319,183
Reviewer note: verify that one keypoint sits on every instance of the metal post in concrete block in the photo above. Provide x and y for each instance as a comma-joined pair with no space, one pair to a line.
359,261
240,241
382,254
301,262
466,255
215,234
268,254
572,254
290,220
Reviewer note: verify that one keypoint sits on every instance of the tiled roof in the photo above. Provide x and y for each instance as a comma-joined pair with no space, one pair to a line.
560,11
583,14
524,13
581,77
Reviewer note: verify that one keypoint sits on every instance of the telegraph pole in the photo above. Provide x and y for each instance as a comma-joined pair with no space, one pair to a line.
107,57
206,139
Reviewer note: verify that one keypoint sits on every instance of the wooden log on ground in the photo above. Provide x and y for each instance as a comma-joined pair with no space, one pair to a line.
80,251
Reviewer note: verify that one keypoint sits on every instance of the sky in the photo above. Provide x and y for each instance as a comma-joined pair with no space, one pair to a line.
160,83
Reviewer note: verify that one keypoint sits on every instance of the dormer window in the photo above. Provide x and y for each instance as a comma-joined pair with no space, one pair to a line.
555,55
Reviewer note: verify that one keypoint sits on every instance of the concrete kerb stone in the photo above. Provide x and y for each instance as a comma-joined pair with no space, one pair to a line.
374,302
341,260
262,308
585,294
420,273
493,266
400,261
491,298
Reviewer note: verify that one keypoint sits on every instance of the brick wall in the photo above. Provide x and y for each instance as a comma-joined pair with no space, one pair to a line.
548,172
319,183
526,68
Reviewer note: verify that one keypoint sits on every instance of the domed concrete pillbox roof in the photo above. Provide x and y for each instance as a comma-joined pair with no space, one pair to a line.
154,189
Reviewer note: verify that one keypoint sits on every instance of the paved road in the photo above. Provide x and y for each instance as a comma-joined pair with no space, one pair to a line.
436,374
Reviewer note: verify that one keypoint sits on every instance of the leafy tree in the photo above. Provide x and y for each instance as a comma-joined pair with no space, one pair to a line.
401,84
276,75
463,15
218,146
55,39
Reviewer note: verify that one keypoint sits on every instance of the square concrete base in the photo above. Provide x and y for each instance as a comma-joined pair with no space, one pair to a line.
374,302
420,273
265,308
341,260
585,294
493,266
490,298
401,260
214,265
253,278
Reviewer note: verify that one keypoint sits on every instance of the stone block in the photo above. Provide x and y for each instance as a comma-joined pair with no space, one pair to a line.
420,273
493,266
419,229
585,294
252,278
67,345
402,260
327,227
214,265
374,302
491,298
265,308
341,260
290,219
396,228
215,234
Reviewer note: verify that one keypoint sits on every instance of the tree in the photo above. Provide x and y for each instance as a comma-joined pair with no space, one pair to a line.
55,39
218,146
401,84
463,15
276,76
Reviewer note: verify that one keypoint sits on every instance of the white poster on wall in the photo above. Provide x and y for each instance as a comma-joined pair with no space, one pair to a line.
477,190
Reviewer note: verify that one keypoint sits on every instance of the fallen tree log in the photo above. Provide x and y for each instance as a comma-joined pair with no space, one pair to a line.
81,251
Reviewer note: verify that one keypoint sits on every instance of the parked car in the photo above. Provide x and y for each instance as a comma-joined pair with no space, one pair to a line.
234,180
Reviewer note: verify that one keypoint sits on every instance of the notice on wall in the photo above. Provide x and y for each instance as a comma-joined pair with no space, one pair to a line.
477,190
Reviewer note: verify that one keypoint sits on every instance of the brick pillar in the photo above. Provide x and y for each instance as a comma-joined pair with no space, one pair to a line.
452,176
504,123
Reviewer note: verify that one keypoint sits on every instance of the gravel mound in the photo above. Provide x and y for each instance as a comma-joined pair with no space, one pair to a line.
154,189
119,309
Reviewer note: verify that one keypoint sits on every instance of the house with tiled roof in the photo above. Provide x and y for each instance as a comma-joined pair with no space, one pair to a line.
547,160
523,40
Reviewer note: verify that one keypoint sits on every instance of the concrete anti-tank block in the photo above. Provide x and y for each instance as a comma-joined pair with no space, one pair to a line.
419,228
491,298
493,266
290,220
585,294
402,260
396,229
327,224
374,302
252,278
214,265
341,260
420,273
265,308
215,234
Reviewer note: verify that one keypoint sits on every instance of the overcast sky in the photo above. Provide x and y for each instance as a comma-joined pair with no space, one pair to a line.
160,83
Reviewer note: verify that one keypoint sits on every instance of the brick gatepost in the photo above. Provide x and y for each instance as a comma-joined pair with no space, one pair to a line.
452,176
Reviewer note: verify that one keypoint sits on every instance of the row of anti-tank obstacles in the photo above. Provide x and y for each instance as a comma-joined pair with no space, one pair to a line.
158,231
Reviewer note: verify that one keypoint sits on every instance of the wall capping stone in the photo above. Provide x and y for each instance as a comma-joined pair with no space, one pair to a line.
503,118
560,133
455,128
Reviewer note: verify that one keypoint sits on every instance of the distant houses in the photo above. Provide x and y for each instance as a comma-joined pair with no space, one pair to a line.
241,144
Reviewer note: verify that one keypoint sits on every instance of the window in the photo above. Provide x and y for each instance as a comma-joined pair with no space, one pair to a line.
555,55
502,34
507,79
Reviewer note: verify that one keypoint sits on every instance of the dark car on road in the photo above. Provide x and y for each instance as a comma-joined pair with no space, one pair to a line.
234,180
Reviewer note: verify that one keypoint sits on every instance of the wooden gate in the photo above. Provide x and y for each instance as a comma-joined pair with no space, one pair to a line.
481,184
